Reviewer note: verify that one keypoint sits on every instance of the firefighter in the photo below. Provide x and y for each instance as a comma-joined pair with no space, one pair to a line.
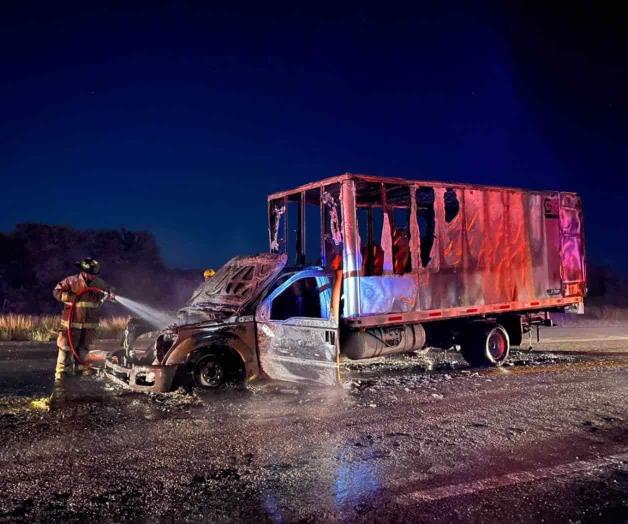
86,313
208,273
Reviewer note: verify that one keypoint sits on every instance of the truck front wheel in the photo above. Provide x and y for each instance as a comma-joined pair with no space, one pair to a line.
209,372
486,346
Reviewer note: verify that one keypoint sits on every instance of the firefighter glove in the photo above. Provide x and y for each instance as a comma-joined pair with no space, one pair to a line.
67,296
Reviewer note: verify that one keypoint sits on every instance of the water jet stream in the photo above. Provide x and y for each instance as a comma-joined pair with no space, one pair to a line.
156,318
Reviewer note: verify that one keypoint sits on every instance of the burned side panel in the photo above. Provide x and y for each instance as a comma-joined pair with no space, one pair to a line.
551,228
468,246
394,294
572,245
473,246
297,351
489,246
238,336
521,281
296,333
352,258
439,277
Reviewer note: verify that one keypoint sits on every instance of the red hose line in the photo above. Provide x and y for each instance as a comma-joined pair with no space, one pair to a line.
71,318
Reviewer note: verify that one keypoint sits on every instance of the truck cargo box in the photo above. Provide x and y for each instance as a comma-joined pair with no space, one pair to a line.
417,251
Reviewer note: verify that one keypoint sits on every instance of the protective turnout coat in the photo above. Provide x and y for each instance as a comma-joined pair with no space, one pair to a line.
86,310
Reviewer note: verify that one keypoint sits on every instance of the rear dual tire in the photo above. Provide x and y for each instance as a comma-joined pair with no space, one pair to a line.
486,345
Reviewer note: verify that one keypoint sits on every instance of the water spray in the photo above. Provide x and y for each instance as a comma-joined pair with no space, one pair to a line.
156,318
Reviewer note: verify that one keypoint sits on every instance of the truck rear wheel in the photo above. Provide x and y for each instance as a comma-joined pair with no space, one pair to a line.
486,346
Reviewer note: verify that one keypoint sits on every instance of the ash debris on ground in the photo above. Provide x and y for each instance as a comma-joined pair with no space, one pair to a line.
425,369
286,452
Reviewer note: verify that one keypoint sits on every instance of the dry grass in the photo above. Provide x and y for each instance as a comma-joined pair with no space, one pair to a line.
44,328
111,327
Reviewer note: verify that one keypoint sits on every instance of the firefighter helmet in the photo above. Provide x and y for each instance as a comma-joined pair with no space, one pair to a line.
89,265
208,273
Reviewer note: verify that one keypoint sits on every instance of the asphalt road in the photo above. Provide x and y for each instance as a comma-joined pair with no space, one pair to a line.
409,439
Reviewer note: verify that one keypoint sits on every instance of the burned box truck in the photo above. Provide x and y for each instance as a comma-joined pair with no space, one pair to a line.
363,266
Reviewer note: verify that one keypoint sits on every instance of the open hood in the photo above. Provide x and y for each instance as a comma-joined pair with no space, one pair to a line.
236,284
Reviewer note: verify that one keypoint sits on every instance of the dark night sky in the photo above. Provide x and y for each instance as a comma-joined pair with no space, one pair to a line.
180,118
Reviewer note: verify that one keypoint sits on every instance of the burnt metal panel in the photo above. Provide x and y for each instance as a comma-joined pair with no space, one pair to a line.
415,240
388,293
504,246
299,349
237,334
235,285
277,225
136,377
351,257
572,245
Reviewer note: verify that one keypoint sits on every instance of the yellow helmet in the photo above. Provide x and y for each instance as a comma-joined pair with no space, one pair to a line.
208,273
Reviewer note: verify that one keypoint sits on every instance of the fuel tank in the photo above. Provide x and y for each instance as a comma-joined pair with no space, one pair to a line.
375,342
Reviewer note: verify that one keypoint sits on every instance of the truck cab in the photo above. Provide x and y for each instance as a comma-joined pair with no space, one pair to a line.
255,318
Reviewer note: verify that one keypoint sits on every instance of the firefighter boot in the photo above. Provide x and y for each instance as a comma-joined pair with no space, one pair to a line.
63,362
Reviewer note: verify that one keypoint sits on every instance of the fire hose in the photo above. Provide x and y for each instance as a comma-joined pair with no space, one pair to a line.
78,295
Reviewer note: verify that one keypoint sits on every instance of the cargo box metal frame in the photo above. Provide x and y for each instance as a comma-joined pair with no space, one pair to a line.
474,251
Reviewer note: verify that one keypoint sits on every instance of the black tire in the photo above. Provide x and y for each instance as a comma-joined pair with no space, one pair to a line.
209,372
486,346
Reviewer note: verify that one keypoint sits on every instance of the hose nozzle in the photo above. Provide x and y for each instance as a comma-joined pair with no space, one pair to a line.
108,295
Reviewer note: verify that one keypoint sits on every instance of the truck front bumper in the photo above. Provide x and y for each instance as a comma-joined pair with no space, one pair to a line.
157,379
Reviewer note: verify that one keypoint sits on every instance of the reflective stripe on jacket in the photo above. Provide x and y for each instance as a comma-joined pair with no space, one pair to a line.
86,310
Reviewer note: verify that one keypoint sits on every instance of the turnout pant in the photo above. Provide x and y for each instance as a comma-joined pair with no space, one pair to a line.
82,339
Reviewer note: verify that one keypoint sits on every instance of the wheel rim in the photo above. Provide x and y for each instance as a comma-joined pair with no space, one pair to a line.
497,345
210,373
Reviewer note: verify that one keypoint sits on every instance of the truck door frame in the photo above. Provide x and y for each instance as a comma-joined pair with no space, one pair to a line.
286,347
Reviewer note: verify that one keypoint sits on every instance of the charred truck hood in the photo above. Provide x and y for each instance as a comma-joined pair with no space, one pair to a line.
233,290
